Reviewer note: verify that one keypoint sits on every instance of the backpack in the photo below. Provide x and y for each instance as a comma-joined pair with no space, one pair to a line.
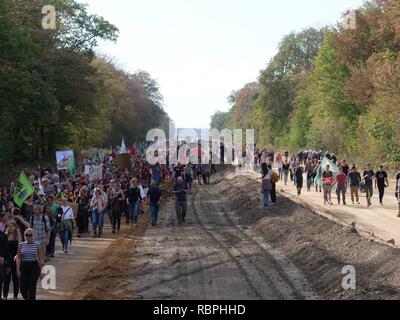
275,177
43,221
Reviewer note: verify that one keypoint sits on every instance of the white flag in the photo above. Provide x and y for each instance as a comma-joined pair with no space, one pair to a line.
123,147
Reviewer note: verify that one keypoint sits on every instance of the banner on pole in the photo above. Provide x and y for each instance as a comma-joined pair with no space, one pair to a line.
23,191
94,172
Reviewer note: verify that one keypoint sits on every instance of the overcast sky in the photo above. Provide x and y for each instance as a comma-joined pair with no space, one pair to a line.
201,50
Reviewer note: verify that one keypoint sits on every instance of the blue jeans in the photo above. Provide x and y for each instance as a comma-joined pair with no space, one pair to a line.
97,221
66,239
266,197
154,212
134,213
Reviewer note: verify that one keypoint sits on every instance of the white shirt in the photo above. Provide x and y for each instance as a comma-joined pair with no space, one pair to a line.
68,213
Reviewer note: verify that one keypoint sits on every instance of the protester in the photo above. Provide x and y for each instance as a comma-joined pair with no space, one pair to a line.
116,199
82,217
5,259
355,180
98,205
381,182
154,195
29,264
67,223
14,239
51,247
341,185
274,181
133,199
285,171
299,179
368,178
188,175
40,223
180,191
327,182
266,187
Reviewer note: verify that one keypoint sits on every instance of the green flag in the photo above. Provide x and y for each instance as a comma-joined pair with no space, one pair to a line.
23,190
321,169
71,166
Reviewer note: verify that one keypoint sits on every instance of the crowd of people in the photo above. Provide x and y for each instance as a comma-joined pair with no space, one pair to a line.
307,168
64,206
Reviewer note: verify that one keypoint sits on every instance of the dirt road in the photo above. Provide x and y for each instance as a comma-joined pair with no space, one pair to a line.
231,248
211,257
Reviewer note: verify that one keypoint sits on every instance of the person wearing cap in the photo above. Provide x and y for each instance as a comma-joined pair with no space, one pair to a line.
368,178
40,223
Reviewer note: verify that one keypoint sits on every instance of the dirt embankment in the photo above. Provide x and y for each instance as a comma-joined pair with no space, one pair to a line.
316,245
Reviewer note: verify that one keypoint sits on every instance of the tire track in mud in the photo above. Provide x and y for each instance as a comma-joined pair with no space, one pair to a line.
286,271
253,284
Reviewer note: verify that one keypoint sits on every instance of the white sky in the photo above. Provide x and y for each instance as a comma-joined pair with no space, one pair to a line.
201,50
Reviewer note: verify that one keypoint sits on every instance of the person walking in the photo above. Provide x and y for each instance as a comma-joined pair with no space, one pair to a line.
341,186
82,217
327,182
368,178
309,174
154,195
98,205
207,174
266,187
67,223
299,179
41,224
285,171
188,175
133,198
274,181
50,248
381,182
180,191
355,179
5,258
116,197
29,264
14,239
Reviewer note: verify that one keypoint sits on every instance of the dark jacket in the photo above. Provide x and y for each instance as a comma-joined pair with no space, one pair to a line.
4,249
133,194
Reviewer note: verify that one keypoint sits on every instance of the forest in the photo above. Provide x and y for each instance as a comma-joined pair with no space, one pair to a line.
333,89
56,92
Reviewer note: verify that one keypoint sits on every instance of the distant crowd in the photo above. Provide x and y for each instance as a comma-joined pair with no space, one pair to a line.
324,172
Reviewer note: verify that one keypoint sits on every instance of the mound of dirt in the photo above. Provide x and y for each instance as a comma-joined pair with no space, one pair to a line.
315,244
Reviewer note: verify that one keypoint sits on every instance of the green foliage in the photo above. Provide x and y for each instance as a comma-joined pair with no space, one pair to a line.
55,93
280,82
